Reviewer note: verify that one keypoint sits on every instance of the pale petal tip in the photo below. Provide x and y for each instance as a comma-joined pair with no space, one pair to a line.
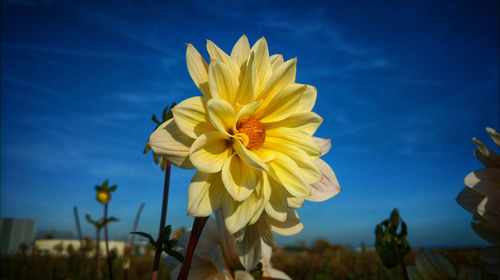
491,130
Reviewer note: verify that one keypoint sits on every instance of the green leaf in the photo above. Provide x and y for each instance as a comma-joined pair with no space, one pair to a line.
175,254
105,184
145,235
112,188
156,158
98,188
89,219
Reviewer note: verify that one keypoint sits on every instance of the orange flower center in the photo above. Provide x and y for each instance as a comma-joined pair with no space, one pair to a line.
254,130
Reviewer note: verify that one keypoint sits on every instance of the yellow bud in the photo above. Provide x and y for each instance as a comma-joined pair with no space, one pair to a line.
103,197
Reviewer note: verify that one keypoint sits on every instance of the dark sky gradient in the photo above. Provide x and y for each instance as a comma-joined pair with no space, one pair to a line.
402,88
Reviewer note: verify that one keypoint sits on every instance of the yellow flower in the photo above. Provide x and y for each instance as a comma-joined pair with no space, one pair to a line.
250,136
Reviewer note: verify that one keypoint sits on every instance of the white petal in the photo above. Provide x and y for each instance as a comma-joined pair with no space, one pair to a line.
324,144
273,273
249,248
327,187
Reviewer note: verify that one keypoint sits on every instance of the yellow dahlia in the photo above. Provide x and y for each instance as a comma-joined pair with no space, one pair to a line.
250,136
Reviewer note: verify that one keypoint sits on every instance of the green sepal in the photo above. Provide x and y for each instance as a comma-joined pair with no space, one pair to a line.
112,188
146,235
175,254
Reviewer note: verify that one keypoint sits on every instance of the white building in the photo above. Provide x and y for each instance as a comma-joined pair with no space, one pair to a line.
60,246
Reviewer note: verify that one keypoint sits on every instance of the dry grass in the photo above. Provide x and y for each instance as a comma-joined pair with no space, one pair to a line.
322,261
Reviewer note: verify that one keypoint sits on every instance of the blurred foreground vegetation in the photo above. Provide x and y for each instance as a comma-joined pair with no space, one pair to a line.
320,261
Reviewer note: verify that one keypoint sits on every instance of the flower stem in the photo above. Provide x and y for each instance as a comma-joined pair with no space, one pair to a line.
97,255
402,265
78,229
156,263
199,223
110,265
128,252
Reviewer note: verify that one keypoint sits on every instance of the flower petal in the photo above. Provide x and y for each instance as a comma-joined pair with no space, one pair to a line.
327,187
205,194
216,54
294,202
489,235
246,88
307,100
276,60
291,226
238,178
222,81
272,273
210,151
238,214
284,170
304,161
248,109
433,266
191,116
242,275
222,115
283,76
262,193
249,157
291,137
484,181
249,249
282,105
492,157
495,136
324,144
469,199
277,206
307,122
169,141
240,50
198,68
262,64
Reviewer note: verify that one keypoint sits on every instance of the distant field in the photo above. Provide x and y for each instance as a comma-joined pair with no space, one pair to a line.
322,261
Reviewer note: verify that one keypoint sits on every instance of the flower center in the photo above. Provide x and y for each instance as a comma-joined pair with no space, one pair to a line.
254,130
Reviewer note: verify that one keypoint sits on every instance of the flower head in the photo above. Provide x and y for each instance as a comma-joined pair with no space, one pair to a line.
250,136
482,194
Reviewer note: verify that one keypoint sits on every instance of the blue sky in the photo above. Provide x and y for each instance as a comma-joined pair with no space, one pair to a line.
402,87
